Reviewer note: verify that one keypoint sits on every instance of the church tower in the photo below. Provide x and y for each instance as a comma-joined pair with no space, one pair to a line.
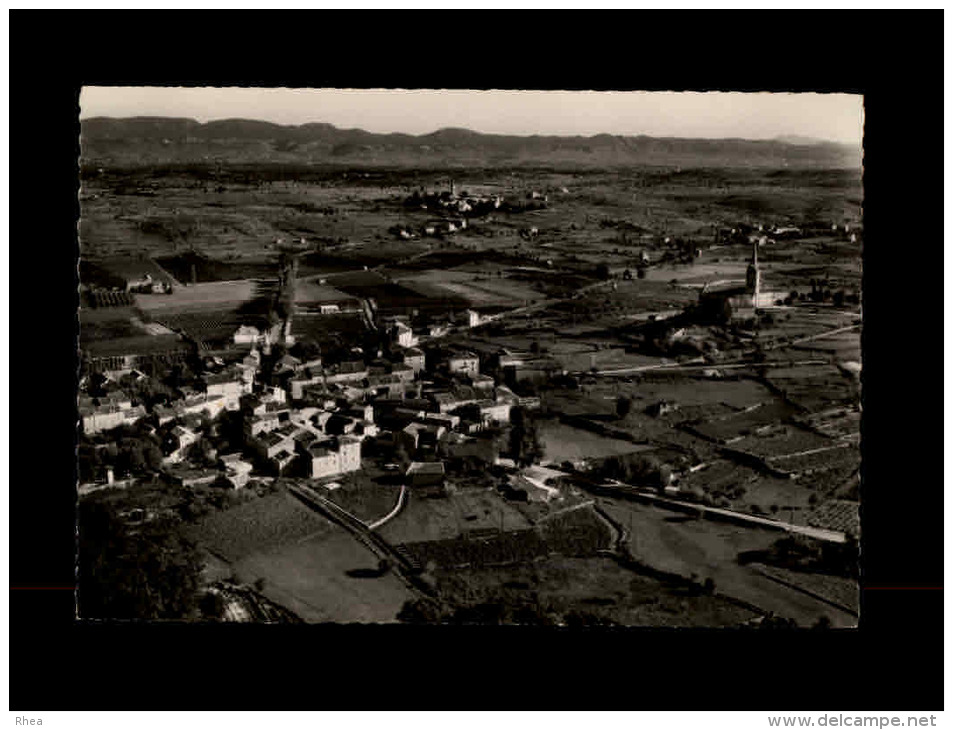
753,280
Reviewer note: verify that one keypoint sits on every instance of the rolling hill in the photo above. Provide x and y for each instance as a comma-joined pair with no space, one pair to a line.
139,141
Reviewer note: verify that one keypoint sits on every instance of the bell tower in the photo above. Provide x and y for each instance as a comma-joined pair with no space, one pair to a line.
753,279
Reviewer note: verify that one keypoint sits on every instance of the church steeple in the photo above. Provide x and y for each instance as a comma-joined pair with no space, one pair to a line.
754,275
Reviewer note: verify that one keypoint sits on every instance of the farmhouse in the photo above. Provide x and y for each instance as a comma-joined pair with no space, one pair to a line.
417,436
237,471
426,475
334,457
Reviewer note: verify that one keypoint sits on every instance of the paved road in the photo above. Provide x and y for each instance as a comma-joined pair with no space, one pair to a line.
401,501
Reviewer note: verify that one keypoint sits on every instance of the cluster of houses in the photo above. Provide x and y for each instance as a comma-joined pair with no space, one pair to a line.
454,207
109,412
312,418
405,335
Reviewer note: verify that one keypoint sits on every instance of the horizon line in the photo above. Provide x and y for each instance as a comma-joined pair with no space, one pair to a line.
811,140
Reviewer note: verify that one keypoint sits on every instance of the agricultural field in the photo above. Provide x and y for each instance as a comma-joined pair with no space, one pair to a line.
562,589
478,290
114,271
837,514
257,526
303,562
429,519
686,546
574,533
562,442
326,577
208,296
842,592
232,268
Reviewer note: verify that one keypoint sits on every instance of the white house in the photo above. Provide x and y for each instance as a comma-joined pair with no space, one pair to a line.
404,335
329,459
246,335
237,470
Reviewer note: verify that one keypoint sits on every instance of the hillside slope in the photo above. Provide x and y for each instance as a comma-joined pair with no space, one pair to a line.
159,140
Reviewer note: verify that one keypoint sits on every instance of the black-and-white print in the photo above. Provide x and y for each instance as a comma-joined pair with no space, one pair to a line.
537,358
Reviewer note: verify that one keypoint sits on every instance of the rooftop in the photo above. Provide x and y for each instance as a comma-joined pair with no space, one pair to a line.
426,467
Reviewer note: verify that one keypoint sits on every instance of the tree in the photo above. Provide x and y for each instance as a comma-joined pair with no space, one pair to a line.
152,574
212,605
525,445
623,406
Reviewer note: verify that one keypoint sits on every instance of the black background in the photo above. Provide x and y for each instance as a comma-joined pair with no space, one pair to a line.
893,661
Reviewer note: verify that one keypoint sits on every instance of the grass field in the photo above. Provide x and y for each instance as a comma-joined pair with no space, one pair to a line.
671,542
562,442
308,564
560,585
271,521
477,290
199,297
445,518
323,578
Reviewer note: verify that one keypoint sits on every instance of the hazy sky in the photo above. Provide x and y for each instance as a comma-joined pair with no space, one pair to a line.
836,117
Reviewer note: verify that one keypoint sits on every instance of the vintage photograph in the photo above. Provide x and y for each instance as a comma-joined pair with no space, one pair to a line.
549,358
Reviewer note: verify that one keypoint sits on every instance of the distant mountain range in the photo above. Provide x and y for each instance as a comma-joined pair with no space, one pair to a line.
166,140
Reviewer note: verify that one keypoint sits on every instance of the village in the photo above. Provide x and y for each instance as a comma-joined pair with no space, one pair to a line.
470,392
